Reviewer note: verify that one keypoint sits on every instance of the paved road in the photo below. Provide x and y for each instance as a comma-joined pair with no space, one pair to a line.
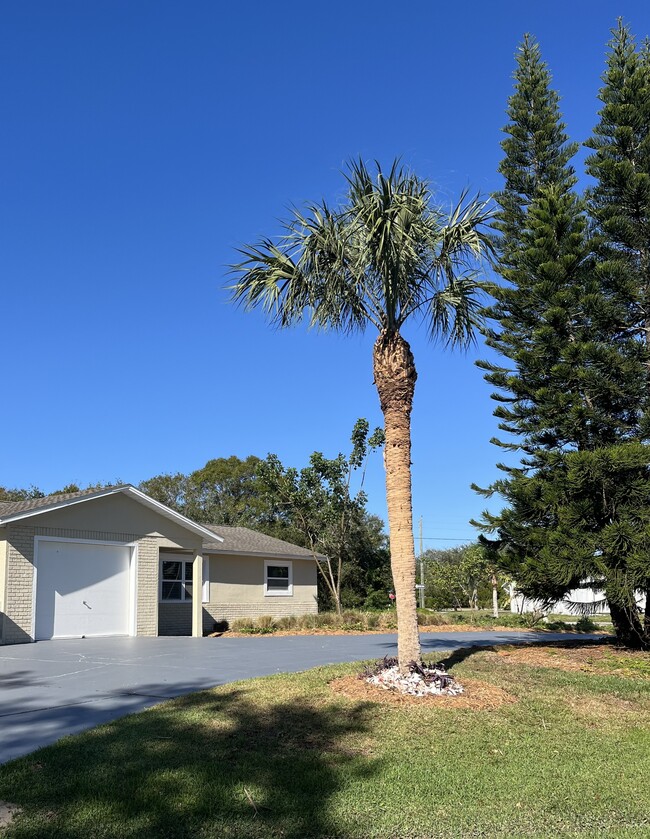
54,688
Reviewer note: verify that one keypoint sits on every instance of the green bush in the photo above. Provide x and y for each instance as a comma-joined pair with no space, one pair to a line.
558,626
585,624
376,600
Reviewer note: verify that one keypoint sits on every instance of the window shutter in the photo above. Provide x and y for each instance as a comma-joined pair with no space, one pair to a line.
206,580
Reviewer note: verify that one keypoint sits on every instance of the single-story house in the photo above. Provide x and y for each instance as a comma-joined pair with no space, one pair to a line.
589,601
116,562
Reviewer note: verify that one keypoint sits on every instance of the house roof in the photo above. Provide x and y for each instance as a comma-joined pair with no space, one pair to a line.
216,539
15,510
242,540
10,507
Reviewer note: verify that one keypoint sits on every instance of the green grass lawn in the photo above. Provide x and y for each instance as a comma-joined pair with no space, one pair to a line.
286,757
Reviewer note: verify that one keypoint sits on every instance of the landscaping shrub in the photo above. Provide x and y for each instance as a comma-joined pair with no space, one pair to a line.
308,621
515,620
243,625
585,624
437,619
289,622
372,620
220,626
352,620
558,626
265,623
388,620
249,626
328,619
432,619
359,620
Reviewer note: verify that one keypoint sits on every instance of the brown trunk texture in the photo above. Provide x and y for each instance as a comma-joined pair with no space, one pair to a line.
395,377
628,628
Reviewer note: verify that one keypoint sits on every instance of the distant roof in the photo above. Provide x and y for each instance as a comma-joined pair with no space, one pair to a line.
242,540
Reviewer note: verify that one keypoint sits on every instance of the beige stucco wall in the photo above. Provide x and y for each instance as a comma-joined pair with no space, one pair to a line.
114,518
119,514
237,591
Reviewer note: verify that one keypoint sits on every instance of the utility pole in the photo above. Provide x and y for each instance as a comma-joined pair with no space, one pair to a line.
421,569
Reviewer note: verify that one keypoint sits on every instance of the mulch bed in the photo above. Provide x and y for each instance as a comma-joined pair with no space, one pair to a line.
477,695
585,658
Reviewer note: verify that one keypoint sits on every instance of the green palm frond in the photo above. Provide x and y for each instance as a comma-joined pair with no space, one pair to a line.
455,312
385,255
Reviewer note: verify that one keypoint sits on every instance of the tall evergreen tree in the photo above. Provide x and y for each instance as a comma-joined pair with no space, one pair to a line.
571,387
619,202
536,148
551,392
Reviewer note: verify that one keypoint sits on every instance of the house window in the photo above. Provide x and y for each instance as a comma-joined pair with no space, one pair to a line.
278,578
175,581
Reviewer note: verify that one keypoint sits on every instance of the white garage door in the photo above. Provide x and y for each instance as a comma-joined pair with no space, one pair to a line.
82,590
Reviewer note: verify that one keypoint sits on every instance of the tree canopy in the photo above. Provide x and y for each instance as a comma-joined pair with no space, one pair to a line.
572,390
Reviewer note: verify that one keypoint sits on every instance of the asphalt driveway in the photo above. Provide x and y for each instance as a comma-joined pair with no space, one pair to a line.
54,688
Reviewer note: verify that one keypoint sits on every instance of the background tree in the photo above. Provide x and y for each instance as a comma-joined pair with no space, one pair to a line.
224,491
17,494
386,256
317,502
300,506
462,577
366,578
572,387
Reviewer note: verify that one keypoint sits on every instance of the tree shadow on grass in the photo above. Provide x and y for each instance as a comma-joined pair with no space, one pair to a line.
210,765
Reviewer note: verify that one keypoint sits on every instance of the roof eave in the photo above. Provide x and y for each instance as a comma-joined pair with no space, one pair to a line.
269,554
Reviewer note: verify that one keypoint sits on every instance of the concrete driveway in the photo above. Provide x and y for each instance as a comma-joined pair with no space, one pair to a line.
54,688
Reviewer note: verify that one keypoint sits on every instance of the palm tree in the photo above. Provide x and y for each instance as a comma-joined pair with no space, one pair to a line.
385,256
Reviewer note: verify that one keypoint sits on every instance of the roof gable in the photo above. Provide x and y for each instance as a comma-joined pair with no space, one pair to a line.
11,511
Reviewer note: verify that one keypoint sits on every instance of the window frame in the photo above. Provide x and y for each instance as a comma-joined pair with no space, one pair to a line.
281,563
183,582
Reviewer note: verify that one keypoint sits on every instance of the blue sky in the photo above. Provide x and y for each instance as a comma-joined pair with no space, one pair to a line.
143,141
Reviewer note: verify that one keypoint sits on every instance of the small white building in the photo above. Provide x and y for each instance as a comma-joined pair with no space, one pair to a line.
593,599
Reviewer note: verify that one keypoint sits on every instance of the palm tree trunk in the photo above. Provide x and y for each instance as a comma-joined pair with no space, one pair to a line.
395,377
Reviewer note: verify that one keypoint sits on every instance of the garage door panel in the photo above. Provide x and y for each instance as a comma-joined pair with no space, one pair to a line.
82,589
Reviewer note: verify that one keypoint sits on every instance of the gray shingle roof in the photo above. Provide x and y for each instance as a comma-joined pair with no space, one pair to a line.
235,539
11,507
243,540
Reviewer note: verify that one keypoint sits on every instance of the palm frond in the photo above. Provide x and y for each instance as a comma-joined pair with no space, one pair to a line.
455,312
385,255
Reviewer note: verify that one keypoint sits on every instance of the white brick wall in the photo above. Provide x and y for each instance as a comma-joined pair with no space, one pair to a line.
147,583
20,578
